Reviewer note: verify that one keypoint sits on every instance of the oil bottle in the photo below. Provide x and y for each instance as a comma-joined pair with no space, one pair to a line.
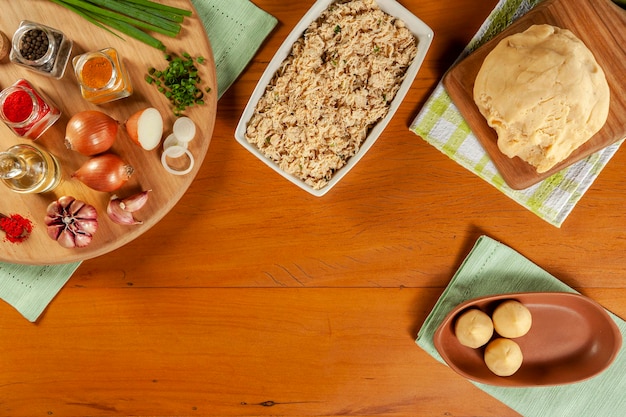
26,168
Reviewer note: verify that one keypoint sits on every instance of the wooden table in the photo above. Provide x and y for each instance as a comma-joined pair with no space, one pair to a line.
253,298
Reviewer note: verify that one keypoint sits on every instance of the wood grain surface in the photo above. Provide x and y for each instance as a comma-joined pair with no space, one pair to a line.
253,298
166,188
599,24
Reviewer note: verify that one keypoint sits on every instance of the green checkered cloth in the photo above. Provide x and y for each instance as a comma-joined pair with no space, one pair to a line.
236,29
493,268
440,123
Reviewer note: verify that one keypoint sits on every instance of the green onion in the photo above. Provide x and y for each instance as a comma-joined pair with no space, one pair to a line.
82,14
139,16
133,32
134,18
162,7
179,82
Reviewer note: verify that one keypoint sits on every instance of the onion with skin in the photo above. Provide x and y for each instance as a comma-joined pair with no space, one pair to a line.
106,172
91,132
71,222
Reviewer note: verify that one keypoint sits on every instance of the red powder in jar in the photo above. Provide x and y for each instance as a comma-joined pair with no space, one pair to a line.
18,106
16,227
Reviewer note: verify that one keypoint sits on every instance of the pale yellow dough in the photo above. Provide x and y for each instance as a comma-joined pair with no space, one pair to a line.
544,93
503,357
473,328
512,319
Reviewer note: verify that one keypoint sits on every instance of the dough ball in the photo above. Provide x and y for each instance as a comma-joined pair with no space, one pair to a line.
473,328
503,357
512,319
543,93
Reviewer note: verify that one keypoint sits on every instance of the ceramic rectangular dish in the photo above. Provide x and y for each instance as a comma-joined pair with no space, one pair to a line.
422,32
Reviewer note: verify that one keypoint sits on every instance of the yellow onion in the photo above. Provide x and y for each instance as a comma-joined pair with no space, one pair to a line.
106,172
91,132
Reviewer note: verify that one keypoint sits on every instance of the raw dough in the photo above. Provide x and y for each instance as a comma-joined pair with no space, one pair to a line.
473,328
503,357
512,319
544,94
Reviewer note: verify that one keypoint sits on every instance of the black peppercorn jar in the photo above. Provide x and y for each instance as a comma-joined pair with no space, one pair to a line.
41,48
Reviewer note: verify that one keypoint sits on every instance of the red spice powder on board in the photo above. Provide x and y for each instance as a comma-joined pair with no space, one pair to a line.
16,227
18,106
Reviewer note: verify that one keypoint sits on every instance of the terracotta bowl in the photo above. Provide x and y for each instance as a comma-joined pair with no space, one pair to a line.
572,338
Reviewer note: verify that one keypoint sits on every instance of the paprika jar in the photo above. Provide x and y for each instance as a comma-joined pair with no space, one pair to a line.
41,48
26,168
27,112
102,76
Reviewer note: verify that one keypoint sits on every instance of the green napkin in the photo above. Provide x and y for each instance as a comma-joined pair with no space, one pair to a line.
236,29
493,268
440,124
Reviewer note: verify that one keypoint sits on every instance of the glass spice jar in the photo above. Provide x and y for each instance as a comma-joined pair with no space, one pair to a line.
41,48
102,76
26,111
27,168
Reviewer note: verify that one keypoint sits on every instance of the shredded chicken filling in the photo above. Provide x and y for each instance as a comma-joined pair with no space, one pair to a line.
336,84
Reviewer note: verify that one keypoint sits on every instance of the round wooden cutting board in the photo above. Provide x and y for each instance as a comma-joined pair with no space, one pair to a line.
167,189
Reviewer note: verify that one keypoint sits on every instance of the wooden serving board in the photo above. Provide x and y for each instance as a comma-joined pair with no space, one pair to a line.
601,25
167,189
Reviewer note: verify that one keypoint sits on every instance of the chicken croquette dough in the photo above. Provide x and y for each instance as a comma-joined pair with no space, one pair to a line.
544,93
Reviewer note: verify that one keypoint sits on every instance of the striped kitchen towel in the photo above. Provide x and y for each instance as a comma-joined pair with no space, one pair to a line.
440,124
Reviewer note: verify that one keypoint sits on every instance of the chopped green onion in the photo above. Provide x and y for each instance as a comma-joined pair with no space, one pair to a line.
179,82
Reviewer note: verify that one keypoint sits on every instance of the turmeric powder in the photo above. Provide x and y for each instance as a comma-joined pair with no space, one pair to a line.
102,76
96,72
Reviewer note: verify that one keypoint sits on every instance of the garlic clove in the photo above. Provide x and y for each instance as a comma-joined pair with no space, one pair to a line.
118,215
67,239
86,226
82,240
134,202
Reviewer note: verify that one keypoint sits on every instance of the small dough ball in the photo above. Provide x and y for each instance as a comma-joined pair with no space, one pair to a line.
473,328
503,357
512,319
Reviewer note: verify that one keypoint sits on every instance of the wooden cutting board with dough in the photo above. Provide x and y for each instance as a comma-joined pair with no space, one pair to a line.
599,25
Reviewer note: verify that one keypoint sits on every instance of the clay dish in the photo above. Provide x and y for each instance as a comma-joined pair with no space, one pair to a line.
572,338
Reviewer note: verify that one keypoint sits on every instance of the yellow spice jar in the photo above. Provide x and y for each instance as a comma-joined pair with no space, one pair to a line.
102,76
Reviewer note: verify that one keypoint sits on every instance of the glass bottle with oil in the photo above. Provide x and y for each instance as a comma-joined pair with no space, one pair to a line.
26,168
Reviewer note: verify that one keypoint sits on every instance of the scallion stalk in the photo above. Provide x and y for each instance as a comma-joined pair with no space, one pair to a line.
133,18
133,12
133,32
159,6
84,15
100,11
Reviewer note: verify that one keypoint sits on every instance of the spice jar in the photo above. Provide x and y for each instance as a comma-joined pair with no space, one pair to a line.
26,168
102,76
41,48
26,111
